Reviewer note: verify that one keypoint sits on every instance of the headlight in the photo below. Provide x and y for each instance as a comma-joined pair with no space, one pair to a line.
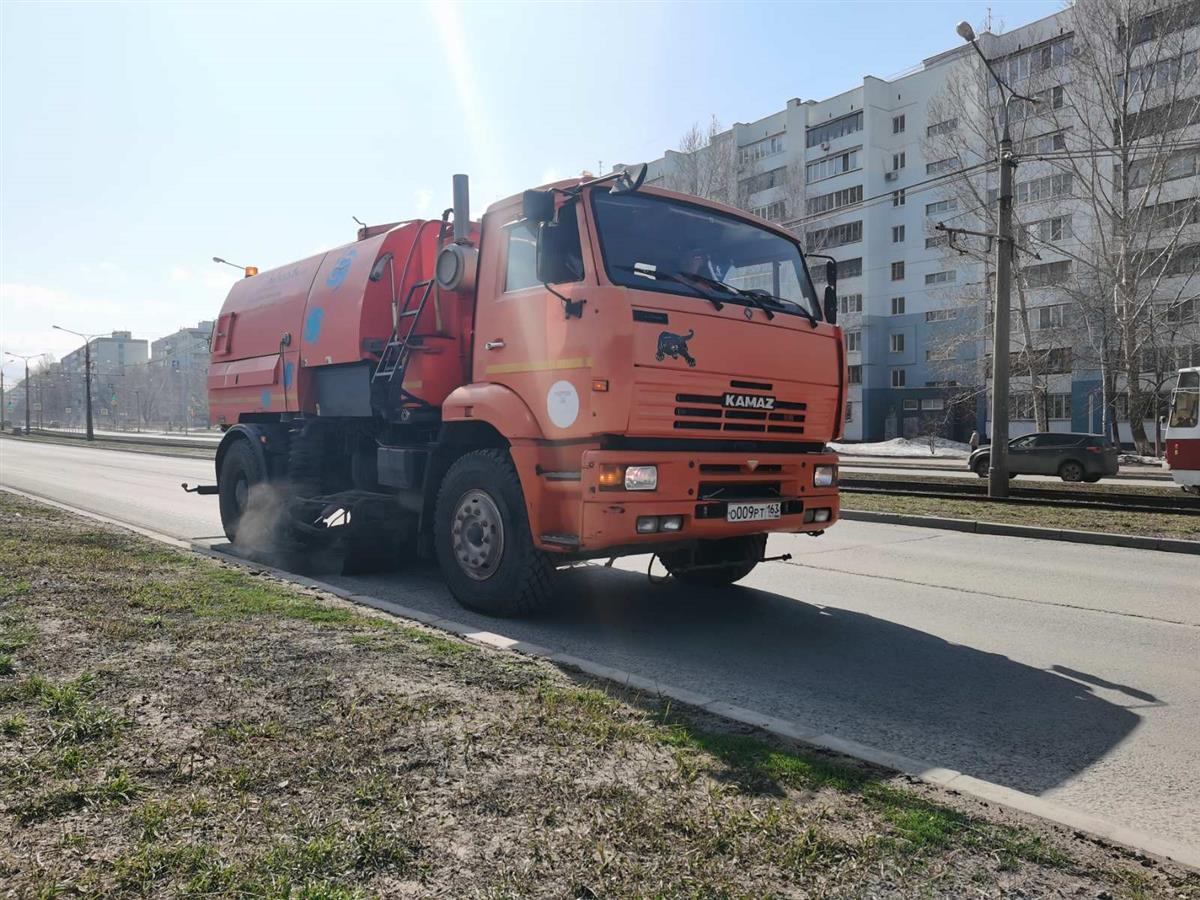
641,478
824,476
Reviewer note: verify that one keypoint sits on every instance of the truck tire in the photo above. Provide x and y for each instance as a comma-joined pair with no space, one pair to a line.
739,554
240,472
482,538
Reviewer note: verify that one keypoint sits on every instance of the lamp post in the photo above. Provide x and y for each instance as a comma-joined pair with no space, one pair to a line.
87,374
1005,246
26,359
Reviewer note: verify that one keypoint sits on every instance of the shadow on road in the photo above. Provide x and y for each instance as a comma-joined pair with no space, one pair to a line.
844,672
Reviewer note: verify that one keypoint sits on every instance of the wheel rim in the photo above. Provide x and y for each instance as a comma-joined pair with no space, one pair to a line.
477,535
1072,472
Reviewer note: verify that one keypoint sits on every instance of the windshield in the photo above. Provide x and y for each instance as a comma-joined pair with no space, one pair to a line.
1185,405
654,243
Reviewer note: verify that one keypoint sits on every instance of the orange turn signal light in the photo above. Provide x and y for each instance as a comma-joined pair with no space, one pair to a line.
612,477
600,384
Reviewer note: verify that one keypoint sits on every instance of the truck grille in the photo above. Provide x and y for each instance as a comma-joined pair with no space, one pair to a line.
706,412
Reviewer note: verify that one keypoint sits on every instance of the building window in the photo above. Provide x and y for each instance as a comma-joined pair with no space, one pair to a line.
1042,143
909,404
838,164
849,411
1021,406
940,240
897,234
851,303
897,305
834,200
823,134
898,271
1043,317
941,277
850,268
897,342
756,151
763,181
941,206
941,127
834,236
1047,273
941,165
898,197
772,212
898,124
853,341
897,161
898,378
854,374
940,315
933,403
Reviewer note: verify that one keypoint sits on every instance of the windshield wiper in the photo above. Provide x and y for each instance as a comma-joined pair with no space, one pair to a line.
804,311
755,297
677,278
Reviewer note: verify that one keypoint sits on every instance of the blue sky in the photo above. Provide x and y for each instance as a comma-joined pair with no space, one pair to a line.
139,140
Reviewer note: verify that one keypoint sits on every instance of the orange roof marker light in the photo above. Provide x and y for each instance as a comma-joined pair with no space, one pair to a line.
247,271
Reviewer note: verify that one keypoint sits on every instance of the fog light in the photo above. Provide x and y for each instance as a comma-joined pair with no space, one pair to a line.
821,515
611,478
647,524
671,523
641,478
809,515
824,476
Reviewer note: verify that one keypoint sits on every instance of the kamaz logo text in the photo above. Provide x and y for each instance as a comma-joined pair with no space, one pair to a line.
748,401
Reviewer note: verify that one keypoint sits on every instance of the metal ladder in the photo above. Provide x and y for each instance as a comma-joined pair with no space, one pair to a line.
398,350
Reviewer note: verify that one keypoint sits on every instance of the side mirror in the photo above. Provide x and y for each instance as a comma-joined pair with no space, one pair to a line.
538,206
553,264
831,274
831,304
630,180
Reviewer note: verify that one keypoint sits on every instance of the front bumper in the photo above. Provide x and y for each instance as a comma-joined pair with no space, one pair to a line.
698,487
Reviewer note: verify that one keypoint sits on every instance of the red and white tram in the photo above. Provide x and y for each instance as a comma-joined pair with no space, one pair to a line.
1183,431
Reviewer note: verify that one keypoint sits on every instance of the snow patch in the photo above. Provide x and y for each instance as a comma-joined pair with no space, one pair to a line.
905,447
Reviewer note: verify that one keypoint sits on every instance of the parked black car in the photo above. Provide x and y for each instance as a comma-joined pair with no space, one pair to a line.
1072,457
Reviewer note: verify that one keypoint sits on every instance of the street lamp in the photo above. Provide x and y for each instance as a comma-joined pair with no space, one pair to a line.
87,374
998,455
27,359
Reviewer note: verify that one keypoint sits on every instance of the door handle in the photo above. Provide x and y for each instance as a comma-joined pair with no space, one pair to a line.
497,344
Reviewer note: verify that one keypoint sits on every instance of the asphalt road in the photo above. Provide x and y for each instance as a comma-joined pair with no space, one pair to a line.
1063,670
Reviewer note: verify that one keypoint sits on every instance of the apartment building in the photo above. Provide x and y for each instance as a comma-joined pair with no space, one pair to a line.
182,359
110,354
866,176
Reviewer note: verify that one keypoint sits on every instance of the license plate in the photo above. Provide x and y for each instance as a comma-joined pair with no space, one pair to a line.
752,512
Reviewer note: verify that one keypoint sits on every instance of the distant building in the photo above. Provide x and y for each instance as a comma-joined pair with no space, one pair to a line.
182,359
110,355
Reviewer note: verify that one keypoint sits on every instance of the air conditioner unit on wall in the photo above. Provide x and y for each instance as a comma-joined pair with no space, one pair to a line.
824,145
890,176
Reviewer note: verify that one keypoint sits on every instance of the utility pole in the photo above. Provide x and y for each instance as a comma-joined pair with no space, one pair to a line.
26,359
1001,315
87,374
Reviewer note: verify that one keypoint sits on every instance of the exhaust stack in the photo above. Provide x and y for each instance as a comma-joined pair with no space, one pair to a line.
458,262
462,210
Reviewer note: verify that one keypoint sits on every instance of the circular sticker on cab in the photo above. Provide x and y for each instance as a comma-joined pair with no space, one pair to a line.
562,404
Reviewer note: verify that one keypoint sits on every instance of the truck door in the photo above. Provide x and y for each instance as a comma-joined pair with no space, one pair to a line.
524,338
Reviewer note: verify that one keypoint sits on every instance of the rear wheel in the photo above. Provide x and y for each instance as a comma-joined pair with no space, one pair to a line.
483,541
720,562
1070,471
240,472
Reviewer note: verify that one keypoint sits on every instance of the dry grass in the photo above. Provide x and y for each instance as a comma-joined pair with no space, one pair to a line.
173,727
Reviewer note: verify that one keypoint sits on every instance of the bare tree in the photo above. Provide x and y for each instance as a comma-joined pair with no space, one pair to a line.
705,164
1106,192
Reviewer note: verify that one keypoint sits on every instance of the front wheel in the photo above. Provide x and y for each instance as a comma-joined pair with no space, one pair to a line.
483,541
716,563
981,467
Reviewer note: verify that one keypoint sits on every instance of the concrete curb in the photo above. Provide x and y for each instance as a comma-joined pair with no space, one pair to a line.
790,730
1136,542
